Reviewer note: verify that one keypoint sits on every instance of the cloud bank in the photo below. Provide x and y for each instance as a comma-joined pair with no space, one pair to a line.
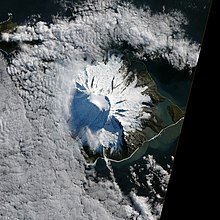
43,174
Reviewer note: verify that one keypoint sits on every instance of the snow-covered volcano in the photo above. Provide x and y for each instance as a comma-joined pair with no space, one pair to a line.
105,106
51,73
58,85
92,122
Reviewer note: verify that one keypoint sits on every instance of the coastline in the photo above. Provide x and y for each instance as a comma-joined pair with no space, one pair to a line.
139,152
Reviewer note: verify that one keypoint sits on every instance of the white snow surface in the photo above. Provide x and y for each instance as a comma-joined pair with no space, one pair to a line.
99,101
102,102
42,169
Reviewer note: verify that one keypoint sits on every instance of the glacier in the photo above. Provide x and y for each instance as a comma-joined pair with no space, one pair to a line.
43,172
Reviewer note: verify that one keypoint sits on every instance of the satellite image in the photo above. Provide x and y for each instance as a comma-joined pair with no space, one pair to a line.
93,95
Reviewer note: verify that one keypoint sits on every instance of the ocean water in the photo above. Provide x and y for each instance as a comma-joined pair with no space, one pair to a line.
170,82
23,9
173,84
196,12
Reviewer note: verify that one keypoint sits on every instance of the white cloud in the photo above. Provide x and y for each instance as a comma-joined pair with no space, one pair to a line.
93,30
143,206
42,169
